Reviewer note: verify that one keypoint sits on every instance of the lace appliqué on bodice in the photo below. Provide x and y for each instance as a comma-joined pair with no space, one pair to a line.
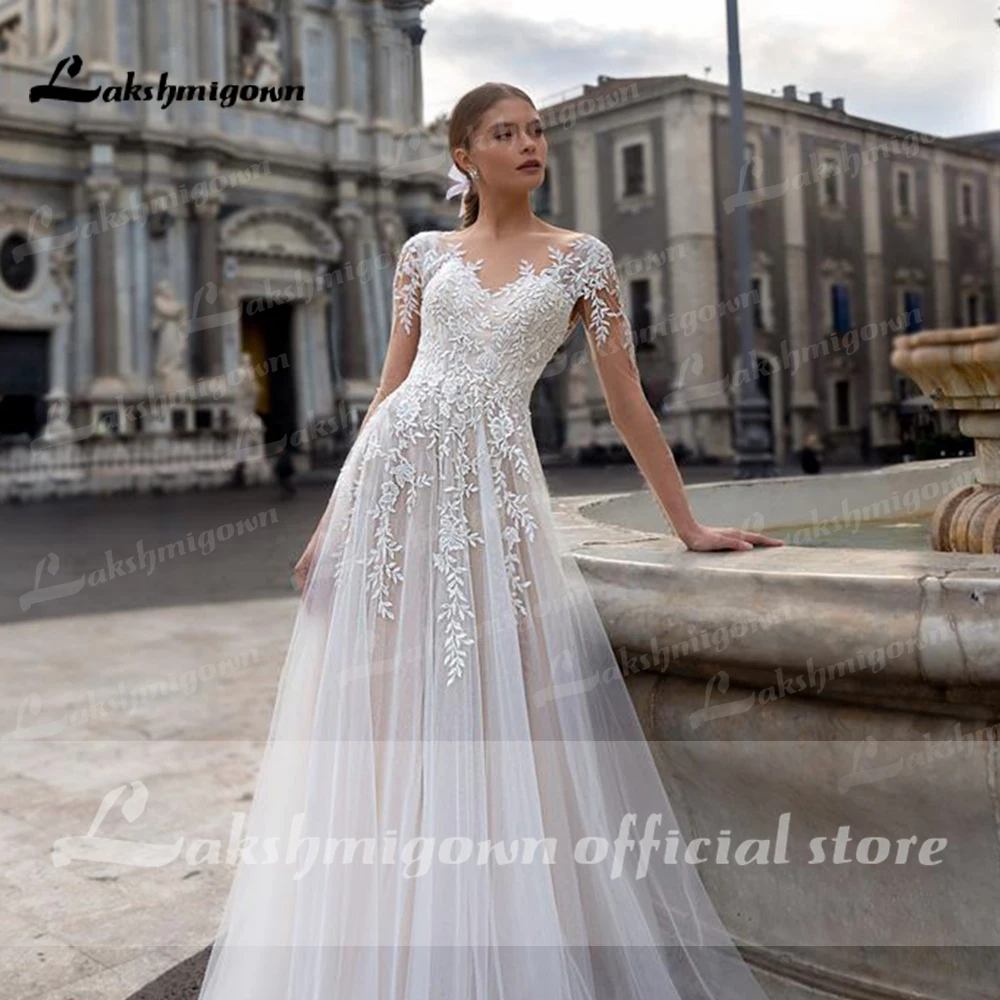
479,355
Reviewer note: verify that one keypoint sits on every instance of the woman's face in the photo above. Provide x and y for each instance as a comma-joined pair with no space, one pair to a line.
508,147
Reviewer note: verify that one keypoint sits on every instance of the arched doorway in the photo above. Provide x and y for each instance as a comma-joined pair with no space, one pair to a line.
277,264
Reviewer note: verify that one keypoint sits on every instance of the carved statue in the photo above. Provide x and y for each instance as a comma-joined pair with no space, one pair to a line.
13,40
55,25
268,69
170,327
259,47
61,269
251,427
57,426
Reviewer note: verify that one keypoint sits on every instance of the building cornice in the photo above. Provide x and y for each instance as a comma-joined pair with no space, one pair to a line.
652,88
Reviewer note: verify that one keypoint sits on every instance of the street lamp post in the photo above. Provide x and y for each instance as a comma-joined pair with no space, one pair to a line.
754,456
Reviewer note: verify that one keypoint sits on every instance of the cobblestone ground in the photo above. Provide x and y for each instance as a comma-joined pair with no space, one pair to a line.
71,557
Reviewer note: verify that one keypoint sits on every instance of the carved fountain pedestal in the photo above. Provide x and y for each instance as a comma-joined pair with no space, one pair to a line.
960,370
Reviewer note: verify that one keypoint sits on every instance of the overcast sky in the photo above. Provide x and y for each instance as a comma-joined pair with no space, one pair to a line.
923,65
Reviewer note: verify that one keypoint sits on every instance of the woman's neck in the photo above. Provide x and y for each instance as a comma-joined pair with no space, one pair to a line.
501,217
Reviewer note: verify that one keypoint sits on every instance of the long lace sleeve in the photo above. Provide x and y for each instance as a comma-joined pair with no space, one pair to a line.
610,338
404,334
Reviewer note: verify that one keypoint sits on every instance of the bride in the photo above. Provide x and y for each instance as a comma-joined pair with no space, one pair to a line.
457,800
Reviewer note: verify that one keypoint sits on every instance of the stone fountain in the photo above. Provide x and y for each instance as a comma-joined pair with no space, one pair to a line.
844,682
960,370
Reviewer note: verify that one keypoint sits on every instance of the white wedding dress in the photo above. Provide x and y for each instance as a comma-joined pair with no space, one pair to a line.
449,684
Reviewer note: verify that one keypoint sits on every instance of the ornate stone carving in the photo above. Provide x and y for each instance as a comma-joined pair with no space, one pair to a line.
259,45
164,207
250,426
61,261
170,327
839,270
960,370
209,207
279,231
56,19
13,39
103,190
57,426
347,219
268,68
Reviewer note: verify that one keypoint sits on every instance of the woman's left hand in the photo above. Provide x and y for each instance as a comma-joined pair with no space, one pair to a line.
705,539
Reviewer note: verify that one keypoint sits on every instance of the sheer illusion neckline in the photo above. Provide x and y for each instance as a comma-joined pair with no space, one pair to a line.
526,268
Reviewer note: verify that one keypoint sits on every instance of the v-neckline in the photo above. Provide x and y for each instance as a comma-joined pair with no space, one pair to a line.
526,268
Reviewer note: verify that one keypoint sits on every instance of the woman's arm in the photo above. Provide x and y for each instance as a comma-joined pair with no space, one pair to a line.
610,337
404,336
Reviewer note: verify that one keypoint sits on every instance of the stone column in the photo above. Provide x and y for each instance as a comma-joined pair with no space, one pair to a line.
345,117
206,40
207,349
378,98
295,41
353,352
699,410
342,27
303,372
382,111
31,23
62,270
229,332
233,69
103,193
416,32
586,191
804,403
944,312
316,313
150,41
882,404
100,35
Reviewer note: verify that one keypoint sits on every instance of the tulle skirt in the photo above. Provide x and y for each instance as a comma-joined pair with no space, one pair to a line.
455,782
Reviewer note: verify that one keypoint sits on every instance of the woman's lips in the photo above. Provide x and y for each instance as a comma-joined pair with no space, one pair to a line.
530,166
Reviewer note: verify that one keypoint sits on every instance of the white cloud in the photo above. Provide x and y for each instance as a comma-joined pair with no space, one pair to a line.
920,64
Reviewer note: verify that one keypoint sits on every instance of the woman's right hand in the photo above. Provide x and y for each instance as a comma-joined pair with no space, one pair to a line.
301,569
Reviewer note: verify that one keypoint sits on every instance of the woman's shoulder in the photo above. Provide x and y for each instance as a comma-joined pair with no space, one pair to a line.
570,239
419,242
587,250
585,259
418,252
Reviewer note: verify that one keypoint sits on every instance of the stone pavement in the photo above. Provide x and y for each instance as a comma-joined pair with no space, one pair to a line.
134,706
174,699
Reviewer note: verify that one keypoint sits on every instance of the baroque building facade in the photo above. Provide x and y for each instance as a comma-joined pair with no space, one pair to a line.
156,260
176,280
860,232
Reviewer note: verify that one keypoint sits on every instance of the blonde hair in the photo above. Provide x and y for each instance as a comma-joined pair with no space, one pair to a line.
465,116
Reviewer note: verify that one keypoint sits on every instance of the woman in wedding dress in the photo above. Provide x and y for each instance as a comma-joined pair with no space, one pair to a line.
455,786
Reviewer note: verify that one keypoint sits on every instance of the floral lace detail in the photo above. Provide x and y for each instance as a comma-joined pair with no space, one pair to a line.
480,353
406,285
